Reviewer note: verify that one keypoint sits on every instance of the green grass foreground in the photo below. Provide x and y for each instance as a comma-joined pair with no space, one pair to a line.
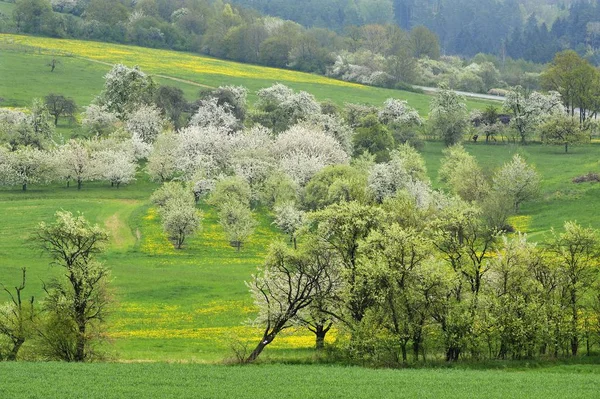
107,381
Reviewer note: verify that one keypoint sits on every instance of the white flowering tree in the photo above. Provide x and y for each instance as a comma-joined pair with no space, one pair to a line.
203,148
25,166
529,110
10,122
302,152
162,161
279,107
237,222
124,89
405,168
290,220
75,162
146,123
400,113
118,167
517,182
253,157
212,115
334,126
40,120
448,118
180,220
98,120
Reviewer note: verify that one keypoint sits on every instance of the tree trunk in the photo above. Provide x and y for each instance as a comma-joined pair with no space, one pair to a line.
79,184
574,337
320,333
80,345
68,183
56,120
25,187
403,344
12,356
259,348
566,148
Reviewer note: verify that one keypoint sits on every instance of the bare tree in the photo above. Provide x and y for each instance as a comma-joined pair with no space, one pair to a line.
16,318
59,105
53,63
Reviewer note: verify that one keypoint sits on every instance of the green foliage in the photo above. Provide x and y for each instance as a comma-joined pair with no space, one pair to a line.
374,138
448,116
237,222
334,184
562,130
77,303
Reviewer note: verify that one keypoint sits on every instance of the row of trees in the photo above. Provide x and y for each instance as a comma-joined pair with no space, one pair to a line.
410,267
75,161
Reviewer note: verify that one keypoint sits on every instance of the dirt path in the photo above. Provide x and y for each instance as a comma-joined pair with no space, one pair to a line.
189,82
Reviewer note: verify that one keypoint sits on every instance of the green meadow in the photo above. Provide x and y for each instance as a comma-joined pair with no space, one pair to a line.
108,381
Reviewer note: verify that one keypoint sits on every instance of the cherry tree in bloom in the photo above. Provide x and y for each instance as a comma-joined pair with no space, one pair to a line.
146,122
98,120
75,162
399,112
203,148
212,115
302,152
25,166
118,167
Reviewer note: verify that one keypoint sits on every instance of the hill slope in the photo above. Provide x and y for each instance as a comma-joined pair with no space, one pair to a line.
171,67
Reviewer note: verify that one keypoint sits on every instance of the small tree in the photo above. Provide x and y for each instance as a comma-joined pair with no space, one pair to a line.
124,89
461,172
180,220
25,166
289,219
53,63
517,181
528,111
448,116
81,299
59,105
16,319
238,223
118,167
76,162
146,123
562,130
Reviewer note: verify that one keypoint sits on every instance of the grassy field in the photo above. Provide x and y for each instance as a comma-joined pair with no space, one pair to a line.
109,381
191,304
84,63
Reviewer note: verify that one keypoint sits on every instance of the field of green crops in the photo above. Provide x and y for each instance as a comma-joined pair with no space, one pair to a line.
108,381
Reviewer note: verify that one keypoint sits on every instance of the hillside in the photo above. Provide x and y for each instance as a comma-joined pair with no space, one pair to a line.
85,63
